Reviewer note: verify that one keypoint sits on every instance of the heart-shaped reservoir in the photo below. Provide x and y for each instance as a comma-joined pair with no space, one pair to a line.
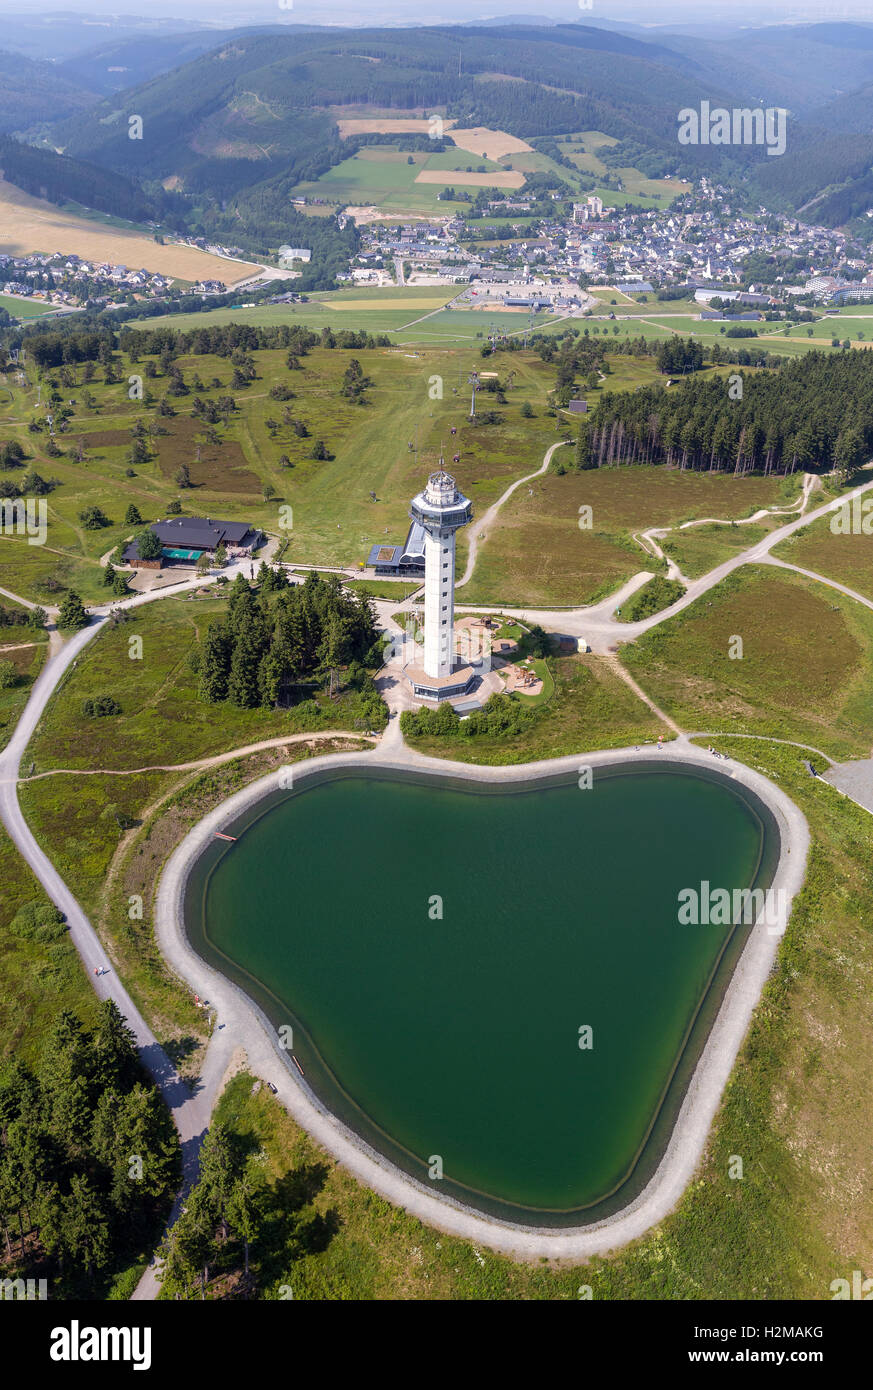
498,987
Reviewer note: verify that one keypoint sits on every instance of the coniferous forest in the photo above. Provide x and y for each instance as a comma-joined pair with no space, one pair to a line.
89,1157
814,412
279,646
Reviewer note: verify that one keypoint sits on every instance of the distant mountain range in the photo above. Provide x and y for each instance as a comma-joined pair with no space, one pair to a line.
55,37
233,120
259,105
34,93
129,60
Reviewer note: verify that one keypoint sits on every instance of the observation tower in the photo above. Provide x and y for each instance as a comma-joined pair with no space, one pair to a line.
441,509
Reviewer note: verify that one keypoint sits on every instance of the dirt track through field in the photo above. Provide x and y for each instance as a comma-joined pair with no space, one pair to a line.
199,763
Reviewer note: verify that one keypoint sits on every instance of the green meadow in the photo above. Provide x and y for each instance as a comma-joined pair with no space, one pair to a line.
25,308
36,980
537,554
382,447
636,188
411,314
582,147
803,671
843,557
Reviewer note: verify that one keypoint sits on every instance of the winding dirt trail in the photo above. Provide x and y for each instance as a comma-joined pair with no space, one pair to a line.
648,540
215,760
488,518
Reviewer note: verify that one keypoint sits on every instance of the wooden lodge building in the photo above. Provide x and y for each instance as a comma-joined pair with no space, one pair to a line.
185,538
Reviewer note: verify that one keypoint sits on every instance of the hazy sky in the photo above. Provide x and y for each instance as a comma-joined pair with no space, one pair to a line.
366,12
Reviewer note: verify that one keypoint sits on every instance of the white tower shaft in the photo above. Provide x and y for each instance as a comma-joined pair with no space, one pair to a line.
441,509
439,602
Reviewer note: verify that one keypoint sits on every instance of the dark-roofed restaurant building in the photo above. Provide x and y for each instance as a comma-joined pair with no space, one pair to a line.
405,561
185,538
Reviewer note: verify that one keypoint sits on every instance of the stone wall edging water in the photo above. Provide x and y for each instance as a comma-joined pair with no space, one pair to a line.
251,1029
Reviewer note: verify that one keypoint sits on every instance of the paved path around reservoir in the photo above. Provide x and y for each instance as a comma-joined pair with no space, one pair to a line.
250,1027
191,1110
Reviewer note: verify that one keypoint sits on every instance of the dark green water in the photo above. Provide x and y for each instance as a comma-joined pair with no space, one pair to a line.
460,1037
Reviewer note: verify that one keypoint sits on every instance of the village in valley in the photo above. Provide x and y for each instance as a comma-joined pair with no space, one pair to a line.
695,249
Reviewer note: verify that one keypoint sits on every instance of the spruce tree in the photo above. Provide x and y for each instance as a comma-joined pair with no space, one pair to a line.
73,614
584,458
215,661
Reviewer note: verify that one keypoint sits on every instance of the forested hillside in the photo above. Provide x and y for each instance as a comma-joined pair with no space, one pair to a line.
34,94
239,126
810,413
59,179
800,66
128,60
243,124
75,1205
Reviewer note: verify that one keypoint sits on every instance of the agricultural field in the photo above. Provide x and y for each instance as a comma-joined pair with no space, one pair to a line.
394,180
854,325
414,313
476,140
30,224
657,323
582,147
537,555
504,179
643,192
804,672
381,124
481,141
465,325
609,295
403,180
647,304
